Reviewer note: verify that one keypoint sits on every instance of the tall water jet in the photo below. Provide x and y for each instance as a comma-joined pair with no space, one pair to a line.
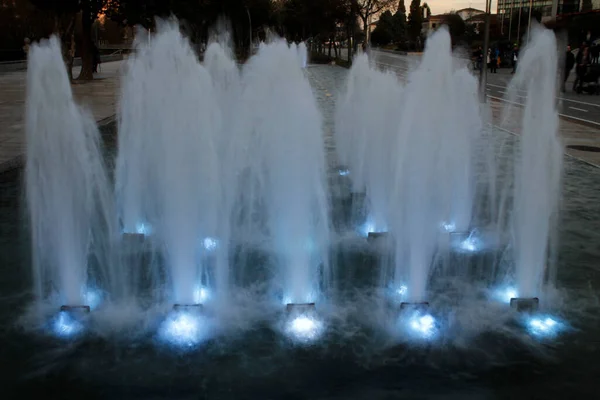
230,145
353,124
367,116
290,165
67,189
176,98
539,166
418,181
456,164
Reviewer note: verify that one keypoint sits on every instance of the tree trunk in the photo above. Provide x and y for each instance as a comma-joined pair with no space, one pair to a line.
68,45
349,40
335,49
330,49
365,32
87,46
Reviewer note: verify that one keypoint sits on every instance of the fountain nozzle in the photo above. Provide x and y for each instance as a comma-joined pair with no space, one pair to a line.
188,307
79,308
525,303
300,307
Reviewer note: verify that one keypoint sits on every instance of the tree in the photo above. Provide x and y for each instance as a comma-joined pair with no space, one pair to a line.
90,9
64,13
66,10
415,20
384,33
456,27
402,7
365,9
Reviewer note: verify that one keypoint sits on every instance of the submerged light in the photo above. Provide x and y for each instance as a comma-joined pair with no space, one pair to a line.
184,329
544,326
448,226
422,325
402,290
210,243
304,328
66,325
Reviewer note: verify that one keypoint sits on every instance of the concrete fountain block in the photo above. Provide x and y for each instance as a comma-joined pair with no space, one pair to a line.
525,304
300,307
188,307
372,236
133,238
78,308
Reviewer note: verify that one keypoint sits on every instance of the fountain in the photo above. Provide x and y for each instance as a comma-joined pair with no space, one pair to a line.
289,165
169,101
539,165
68,194
216,160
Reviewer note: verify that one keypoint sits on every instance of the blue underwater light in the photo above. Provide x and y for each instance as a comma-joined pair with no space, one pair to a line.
65,325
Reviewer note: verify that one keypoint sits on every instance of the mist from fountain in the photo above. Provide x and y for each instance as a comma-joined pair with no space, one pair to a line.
169,98
69,199
289,167
538,168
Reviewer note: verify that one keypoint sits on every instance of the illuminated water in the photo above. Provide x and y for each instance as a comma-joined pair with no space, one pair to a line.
288,166
268,165
538,170
366,116
168,148
68,194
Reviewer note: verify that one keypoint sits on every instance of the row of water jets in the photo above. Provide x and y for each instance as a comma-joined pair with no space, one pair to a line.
218,163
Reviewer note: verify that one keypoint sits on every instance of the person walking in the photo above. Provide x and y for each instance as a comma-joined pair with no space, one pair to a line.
569,64
489,59
515,58
26,45
595,52
582,60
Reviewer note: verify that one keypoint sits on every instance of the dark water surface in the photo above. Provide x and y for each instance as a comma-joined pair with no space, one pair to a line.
354,360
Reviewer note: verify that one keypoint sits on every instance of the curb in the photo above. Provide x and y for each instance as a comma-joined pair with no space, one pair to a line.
19,160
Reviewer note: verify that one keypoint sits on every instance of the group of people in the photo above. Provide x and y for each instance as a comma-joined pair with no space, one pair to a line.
494,58
586,56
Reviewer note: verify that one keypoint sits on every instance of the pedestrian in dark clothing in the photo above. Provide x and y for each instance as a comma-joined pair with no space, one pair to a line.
595,52
582,61
569,63
96,58
493,61
515,58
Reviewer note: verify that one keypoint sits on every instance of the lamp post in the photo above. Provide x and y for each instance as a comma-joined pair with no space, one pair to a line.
486,44
250,21
529,21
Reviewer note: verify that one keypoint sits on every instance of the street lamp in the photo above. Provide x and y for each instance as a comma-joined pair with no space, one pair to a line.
486,45
250,20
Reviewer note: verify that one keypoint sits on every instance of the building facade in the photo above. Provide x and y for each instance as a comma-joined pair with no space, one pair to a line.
544,6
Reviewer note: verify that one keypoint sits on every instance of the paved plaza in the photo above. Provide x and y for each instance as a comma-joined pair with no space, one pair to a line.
99,96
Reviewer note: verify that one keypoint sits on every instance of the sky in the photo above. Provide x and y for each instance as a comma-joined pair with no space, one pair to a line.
443,6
